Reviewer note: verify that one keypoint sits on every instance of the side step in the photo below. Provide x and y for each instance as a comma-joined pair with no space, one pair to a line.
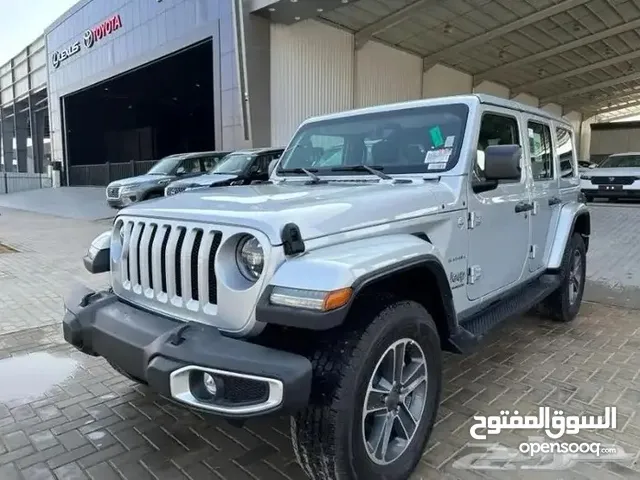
474,327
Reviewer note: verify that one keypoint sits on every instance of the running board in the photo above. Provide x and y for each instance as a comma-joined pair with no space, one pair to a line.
472,328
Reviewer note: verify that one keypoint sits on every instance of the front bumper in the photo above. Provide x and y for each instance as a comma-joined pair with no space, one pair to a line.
616,193
122,201
171,358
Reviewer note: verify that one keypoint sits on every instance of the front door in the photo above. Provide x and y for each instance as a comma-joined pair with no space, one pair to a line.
544,188
499,219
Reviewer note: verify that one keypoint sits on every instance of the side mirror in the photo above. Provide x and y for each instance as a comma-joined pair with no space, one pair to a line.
180,171
502,162
98,256
592,165
272,166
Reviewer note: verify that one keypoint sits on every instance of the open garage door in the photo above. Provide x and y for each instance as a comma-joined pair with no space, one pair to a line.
121,127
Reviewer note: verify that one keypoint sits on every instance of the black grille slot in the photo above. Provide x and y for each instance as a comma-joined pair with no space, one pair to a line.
213,282
163,260
128,229
612,180
154,230
138,252
244,391
194,264
178,265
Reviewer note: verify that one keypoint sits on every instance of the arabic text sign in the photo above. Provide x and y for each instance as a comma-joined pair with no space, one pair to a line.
554,423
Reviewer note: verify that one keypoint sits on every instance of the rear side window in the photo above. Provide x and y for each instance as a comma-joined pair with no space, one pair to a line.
540,150
564,150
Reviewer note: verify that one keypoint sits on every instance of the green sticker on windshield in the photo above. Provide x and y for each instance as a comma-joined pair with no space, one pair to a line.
436,136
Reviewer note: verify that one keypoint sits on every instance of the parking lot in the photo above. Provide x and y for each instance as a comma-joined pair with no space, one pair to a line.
68,416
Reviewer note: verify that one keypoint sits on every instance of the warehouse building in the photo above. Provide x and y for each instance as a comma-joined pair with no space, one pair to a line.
130,81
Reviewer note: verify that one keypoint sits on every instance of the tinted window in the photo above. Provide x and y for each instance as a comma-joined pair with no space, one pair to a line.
540,151
564,150
423,139
495,129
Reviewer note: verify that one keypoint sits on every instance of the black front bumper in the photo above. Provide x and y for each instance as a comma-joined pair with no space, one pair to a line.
603,193
150,348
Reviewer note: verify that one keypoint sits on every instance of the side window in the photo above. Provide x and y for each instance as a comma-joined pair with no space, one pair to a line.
541,151
565,152
495,129
262,163
191,165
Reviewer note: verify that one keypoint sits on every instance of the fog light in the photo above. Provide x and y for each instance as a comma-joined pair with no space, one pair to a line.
210,384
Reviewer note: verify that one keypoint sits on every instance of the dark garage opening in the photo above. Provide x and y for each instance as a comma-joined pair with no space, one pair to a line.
122,126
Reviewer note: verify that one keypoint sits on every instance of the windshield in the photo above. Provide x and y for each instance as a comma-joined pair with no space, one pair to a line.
232,164
621,161
166,166
422,139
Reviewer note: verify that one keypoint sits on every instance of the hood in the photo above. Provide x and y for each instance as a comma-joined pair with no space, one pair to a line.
205,180
612,172
318,210
139,179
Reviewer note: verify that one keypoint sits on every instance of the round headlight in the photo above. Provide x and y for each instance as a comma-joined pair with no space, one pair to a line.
250,258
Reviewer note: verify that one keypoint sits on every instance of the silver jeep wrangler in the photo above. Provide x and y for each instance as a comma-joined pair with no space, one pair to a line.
330,292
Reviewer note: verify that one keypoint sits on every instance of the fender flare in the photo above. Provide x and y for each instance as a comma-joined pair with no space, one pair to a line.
567,220
314,274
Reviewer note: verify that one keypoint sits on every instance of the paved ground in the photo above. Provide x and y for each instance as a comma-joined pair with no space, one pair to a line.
81,203
68,416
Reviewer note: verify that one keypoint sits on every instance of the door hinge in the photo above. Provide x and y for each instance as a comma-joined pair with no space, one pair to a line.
533,251
473,220
475,272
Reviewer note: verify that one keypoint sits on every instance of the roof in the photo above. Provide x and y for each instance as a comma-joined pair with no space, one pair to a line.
624,154
580,54
199,154
469,99
256,151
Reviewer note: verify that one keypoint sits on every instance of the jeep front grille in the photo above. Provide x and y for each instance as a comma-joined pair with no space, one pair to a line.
170,263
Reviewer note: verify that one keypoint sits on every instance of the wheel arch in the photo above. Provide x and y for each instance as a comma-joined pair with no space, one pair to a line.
573,218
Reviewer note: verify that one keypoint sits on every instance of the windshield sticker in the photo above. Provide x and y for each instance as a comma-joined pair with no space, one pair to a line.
531,133
436,136
438,156
448,143
436,166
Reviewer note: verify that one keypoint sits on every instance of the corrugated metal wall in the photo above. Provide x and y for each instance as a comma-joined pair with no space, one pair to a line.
386,75
312,71
315,70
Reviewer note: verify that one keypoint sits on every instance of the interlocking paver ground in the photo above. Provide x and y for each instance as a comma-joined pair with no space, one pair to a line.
64,415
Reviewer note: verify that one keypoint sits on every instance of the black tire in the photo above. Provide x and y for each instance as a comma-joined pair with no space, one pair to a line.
559,305
328,436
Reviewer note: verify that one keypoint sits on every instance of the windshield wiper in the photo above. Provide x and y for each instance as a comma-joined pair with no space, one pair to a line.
309,173
363,168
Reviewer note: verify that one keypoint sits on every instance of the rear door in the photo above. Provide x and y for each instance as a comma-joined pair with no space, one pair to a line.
544,187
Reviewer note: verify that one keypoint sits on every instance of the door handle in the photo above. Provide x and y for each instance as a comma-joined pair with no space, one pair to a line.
554,201
524,207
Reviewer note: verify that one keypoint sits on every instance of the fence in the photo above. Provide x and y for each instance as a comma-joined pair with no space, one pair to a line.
11,182
105,173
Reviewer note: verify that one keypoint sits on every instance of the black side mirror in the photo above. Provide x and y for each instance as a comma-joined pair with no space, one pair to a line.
502,162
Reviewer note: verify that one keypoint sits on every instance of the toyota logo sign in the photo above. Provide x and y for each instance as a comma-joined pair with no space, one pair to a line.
88,39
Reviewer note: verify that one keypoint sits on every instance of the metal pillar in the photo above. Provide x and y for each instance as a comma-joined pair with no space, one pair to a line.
25,163
36,120
7,130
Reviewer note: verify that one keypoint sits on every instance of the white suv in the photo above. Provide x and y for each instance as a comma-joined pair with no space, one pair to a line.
617,177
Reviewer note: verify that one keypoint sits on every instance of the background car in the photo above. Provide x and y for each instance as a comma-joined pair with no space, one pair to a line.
151,185
617,177
242,167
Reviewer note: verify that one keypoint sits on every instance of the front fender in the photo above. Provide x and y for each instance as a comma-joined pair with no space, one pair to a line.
351,264
568,217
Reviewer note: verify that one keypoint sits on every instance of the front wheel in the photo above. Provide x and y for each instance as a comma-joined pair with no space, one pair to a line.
376,391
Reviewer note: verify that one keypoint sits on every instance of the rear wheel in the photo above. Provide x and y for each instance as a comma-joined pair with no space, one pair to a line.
375,396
